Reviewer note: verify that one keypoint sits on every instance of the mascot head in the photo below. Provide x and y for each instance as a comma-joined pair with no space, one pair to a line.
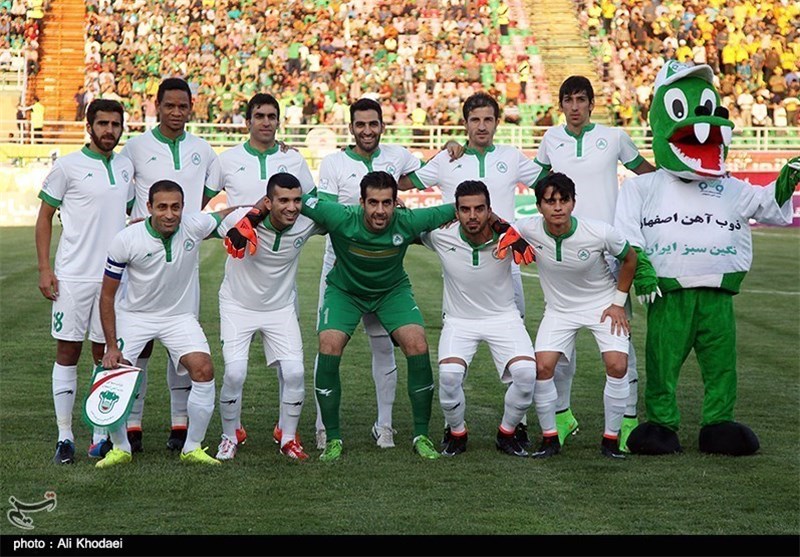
691,131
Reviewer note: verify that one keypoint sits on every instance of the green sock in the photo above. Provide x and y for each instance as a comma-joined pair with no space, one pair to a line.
328,389
420,391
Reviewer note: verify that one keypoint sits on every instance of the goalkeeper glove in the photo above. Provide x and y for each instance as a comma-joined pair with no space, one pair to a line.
645,280
500,226
243,235
522,250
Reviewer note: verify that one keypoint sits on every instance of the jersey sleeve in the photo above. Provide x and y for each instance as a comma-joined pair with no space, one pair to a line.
525,227
428,174
54,186
117,258
212,185
200,225
231,220
328,214
628,152
212,189
409,162
615,243
427,240
304,176
542,157
530,172
430,218
628,214
328,186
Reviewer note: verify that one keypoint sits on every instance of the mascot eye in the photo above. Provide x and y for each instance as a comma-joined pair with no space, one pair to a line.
709,100
676,105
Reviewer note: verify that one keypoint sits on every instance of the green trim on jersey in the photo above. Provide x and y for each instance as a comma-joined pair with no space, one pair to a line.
579,138
350,152
157,235
481,158
52,201
209,193
416,181
634,163
278,233
476,248
573,227
130,204
173,144
543,174
624,252
261,156
105,160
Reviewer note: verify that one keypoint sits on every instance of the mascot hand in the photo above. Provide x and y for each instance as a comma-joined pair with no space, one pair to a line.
645,281
522,250
243,235
787,181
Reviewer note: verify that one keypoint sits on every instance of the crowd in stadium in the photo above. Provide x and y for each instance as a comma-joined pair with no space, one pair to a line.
754,47
19,32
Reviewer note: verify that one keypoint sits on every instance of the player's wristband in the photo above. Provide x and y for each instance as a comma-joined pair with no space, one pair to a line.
620,298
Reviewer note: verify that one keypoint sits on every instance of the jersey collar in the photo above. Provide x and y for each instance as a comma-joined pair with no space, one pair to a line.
97,156
586,128
155,233
256,153
473,151
350,152
489,242
572,228
164,139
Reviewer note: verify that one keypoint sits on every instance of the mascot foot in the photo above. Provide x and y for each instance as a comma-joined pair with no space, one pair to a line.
729,438
653,439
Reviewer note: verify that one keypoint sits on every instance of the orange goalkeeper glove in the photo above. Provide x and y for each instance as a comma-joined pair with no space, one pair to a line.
522,250
243,235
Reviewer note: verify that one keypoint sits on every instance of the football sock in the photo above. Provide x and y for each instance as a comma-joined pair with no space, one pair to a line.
292,395
328,389
451,395
200,406
615,395
564,373
544,398
519,395
179,390
135,417
119,437
384,373
65,385
633,381
230,397
420,391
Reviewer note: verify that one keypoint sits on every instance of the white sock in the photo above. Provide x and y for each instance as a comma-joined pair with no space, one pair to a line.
65,385
200,406
384,373
280,394
633,381
230,397
135,417
615,395
292,397
544,398
564,373
451,395
519,395
179,391
119,437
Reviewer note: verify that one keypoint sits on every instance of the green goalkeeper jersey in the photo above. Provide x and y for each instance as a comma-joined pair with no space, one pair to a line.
369,264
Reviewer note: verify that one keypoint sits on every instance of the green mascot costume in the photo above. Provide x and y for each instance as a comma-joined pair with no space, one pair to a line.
689,223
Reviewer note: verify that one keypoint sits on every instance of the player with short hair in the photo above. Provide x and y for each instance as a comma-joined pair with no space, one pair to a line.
580,292
244,173
91,188
589,154
478,305
159,256
370,241
340,176
168,151
258,295
500,167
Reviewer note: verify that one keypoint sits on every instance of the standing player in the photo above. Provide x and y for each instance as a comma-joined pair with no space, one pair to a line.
168,151
258,295
588,153
500,167
244,173
91,188
579,292
340,176
159,256
479,306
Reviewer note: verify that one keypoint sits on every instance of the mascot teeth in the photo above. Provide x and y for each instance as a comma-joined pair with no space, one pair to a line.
701,131
727,134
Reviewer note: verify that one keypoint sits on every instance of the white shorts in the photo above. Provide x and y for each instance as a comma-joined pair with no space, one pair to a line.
557,332
505,335
372,326
76,312
280,333
180,335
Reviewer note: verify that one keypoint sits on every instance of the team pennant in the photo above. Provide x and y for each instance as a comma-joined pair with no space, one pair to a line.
111,396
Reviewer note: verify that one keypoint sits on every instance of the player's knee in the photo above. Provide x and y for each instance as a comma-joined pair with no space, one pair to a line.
293,375
617,367
451,378
68,353
201,370
523,375
544,371
235,373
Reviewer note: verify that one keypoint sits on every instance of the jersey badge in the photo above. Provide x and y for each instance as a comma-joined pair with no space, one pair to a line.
502,167
126,176
397,239
298,243
390,169
196,160
282,168
602,144
188,245
583,255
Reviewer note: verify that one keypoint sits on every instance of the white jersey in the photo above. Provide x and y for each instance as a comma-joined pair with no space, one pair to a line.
573,270
501,168
590,160
340,173
188,161
159,271
92,193
245,172
477,285
696,232
266,281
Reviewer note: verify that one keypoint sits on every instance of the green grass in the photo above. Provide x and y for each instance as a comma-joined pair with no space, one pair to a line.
373,491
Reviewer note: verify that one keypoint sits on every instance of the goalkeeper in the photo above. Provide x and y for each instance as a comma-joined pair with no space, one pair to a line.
580,292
